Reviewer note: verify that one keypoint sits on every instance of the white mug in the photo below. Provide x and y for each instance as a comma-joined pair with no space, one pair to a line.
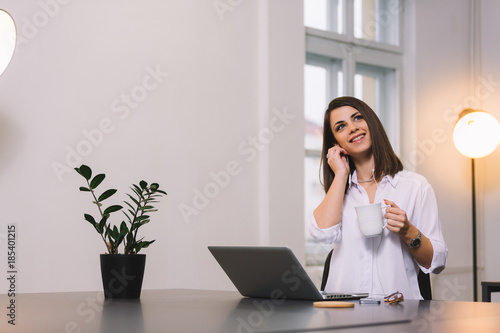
370,219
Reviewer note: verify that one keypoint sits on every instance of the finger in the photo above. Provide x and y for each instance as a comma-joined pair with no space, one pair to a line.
390,203
395,217
335,152
341,150
332,150
336,147
395,223
391,228
330,153
394,211
394,227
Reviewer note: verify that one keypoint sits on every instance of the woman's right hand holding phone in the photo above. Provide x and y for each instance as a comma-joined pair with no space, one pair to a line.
337,160
329,212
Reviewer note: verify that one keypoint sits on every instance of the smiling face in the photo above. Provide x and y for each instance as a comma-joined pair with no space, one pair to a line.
351,130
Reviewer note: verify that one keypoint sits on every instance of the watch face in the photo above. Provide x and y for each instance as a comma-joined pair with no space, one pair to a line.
416,241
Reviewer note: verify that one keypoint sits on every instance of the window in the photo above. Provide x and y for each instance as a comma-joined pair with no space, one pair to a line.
324,15
352,48
377,20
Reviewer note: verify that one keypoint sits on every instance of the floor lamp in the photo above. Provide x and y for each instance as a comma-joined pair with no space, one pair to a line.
7,39
476,134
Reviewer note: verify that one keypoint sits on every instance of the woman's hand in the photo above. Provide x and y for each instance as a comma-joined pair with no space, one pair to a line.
397,221
337,160
329,211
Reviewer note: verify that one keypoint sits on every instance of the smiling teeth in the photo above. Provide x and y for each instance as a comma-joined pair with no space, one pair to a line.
358,137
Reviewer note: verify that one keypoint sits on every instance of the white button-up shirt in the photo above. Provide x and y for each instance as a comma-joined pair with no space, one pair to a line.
383,264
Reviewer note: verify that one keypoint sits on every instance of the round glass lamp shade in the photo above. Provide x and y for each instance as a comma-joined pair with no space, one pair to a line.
7,39
476,133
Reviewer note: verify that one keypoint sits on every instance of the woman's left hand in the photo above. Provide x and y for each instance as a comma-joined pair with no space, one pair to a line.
397,221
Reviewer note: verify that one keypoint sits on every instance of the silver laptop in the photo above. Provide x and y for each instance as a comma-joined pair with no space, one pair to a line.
271,272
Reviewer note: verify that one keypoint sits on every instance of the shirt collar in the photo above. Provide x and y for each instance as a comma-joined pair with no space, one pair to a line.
392,180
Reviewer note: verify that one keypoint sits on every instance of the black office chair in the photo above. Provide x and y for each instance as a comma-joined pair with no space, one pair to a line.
424,281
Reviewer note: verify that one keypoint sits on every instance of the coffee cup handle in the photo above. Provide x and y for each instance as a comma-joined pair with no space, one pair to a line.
385,224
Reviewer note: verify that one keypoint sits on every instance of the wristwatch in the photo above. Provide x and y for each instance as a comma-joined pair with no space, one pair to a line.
415,242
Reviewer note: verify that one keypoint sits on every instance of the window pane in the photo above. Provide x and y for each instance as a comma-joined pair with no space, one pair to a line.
324,15
377,20
322,82
314,191
315,83
377,87
366,88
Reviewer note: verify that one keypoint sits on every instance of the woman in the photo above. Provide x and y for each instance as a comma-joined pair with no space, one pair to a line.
359,168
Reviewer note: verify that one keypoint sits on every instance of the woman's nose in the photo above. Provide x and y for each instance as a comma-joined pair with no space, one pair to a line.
352,127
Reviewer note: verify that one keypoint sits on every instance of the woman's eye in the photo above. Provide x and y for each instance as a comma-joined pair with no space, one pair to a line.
358,117
339,127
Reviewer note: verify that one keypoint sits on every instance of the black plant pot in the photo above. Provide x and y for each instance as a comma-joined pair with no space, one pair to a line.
122,275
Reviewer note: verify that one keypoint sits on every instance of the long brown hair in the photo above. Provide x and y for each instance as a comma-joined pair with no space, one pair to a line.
386,161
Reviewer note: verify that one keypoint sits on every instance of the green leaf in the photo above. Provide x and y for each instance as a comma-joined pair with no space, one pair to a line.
134,200
106,194
97,180
128,217
155,189
115,234
120,235
147,243
140,218
136,187
123,229
84,189
85,171
138,225
90,218
131,211
142,245
143,184
112,209
102,224
146,207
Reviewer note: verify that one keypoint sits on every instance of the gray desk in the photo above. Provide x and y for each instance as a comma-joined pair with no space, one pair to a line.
202,311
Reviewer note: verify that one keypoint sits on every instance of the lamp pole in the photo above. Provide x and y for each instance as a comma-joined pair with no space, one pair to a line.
474,236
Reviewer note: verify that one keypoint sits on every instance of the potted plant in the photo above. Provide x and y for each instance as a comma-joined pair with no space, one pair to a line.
122,274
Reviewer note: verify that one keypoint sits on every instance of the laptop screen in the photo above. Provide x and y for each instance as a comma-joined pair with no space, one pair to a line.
268,272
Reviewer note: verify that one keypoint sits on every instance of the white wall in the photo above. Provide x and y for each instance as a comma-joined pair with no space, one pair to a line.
228,76
441,90
441,86
490,180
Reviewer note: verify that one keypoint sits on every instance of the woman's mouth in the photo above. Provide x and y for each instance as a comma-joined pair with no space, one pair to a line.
357,138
